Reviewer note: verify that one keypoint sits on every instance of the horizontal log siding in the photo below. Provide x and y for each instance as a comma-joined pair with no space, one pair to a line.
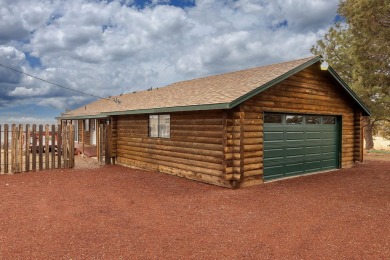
194,150
310,91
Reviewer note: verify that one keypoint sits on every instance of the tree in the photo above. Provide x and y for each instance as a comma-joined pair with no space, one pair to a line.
359,50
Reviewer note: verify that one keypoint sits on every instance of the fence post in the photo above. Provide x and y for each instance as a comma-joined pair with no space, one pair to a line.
27,153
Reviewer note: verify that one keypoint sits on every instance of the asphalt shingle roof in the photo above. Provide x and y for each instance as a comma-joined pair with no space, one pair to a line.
218,89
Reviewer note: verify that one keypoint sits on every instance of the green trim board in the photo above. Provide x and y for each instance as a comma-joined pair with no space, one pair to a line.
171,109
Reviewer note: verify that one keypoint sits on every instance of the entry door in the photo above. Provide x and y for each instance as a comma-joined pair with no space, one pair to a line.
93,131
296,144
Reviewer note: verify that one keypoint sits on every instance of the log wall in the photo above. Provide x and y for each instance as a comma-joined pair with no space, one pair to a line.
194,150
310,91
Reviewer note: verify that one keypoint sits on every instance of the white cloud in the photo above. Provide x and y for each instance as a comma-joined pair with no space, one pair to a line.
110,47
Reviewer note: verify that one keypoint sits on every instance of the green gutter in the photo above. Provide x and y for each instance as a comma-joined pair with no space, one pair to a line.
170,109
350,91
151,111
273,82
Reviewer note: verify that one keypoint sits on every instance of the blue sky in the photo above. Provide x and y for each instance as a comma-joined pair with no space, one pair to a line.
110,47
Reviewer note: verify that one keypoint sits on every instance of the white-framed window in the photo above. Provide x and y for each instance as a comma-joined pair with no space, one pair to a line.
75,123
160,126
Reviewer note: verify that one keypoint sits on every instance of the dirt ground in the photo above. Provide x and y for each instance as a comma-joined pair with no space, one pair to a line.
112,212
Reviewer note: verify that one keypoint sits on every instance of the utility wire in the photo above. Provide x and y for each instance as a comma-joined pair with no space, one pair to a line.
55,84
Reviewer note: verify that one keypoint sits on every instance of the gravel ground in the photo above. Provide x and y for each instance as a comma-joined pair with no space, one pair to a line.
113,212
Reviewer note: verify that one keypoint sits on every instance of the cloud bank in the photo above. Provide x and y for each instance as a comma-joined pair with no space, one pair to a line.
112,47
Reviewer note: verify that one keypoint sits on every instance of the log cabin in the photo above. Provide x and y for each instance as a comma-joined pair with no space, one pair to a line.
234,130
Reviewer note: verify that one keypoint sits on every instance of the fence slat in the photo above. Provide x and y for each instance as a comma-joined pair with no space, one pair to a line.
40,157
71,147
59,146
13,159
47,147
6,148
34,148
27,151
53,146
20,151
19,155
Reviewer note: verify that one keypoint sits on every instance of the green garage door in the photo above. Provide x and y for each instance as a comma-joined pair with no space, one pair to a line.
297,144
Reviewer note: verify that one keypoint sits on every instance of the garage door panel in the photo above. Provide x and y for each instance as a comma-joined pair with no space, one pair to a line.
329,148
295,136
273,136
292,149
293,144
313,157
313,166
273,153
329,135
271,145
329,163
317,149
293,159
271,162
328,156
313,135
294,168
274,171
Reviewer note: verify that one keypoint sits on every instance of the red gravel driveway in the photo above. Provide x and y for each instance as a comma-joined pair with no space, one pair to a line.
114,212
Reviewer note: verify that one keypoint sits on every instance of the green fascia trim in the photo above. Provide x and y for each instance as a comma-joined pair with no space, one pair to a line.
350,91
170,109
273,82
81,117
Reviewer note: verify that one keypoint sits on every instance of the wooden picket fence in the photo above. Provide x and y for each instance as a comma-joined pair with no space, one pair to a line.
25,148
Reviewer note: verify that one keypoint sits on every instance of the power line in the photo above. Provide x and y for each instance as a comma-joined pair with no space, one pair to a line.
55,84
